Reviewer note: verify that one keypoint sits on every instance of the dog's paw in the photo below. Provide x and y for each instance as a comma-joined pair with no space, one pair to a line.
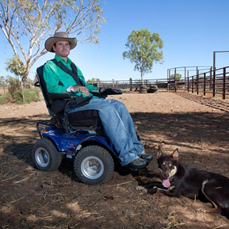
153,190
141,189
171,188
201,210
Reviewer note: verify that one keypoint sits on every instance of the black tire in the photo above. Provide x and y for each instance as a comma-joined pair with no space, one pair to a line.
45,155
93,165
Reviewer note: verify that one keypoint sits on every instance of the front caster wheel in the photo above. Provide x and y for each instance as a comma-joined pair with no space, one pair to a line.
45,156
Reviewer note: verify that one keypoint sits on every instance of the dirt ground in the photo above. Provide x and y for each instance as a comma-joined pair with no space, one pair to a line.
33,199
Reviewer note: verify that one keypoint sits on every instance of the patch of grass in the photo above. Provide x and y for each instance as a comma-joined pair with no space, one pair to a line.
172,221
5,98
30,95
220,98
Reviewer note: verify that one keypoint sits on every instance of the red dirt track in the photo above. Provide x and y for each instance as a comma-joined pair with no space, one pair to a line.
29,198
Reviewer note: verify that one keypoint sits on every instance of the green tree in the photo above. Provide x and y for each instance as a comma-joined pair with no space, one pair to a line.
26,24
16,66
3,82
143,50
92,81
13,85
177,76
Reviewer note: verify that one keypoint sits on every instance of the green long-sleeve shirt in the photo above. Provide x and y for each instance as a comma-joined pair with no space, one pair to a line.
53,75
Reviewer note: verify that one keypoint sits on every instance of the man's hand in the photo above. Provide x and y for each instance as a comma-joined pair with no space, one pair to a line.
77,88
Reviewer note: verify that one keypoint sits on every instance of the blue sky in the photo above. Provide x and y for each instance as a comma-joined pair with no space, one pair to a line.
190,29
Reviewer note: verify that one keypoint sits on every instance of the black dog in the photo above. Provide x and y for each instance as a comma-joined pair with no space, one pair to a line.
178,180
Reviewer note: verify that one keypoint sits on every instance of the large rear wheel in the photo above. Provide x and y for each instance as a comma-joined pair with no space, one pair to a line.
93,165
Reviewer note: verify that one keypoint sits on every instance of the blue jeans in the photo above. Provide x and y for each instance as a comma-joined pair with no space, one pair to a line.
118,126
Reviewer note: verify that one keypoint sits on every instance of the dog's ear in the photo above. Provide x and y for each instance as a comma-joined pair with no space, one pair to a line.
159,152
175,154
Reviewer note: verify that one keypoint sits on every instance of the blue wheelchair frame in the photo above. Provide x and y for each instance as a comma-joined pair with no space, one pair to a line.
70,143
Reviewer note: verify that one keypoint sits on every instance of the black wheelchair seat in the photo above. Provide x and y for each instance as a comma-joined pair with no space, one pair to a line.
57,105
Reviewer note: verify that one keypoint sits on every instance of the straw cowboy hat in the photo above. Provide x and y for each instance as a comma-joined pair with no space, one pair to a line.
59,36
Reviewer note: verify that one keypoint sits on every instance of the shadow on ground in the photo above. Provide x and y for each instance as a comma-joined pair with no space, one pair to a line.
34,199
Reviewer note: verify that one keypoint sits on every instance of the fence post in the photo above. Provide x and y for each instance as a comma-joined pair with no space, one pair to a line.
188,87
204,84
210,85
192,84
197,82
131,84
224,83
188,83
213,94
185,74
175,79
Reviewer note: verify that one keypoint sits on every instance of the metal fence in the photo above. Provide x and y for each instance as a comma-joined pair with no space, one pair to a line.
133,85
213,83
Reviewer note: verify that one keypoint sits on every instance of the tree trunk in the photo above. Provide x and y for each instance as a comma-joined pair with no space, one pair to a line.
142,78
22,91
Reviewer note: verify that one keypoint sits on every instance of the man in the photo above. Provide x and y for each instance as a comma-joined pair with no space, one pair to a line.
116,120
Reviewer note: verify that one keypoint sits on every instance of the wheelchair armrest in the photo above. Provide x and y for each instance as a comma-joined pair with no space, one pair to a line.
110,91
98,94
106,91
95,93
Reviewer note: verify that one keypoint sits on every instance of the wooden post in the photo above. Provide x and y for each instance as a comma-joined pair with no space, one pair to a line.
188,83
224,83
210,85
197,82
175,80
213,93
204,84
192,84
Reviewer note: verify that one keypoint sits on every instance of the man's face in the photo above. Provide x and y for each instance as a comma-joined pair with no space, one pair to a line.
62,48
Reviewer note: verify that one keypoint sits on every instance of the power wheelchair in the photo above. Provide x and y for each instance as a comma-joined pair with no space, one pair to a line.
78,136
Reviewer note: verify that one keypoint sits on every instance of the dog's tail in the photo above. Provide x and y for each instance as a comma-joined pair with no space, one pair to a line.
225,212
